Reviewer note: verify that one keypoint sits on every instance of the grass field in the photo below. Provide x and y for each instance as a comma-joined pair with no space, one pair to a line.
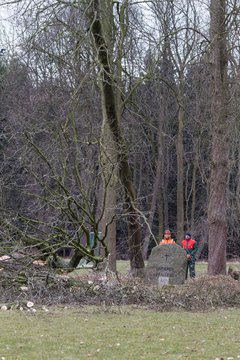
119,333
123,267
201,266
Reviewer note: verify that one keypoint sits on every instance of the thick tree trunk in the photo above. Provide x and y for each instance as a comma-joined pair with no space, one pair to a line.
108,157
112,116
217,209
109,182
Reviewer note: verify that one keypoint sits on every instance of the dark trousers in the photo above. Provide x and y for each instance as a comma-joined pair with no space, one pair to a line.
191,269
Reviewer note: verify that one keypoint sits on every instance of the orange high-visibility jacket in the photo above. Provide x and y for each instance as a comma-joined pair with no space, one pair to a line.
167,241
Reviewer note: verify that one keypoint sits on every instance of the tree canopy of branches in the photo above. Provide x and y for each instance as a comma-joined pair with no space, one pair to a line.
116,120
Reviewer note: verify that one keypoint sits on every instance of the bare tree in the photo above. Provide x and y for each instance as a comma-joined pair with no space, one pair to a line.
112,117
217,209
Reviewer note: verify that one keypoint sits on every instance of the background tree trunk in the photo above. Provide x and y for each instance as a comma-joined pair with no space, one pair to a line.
217,209
195,165
157,192
180,174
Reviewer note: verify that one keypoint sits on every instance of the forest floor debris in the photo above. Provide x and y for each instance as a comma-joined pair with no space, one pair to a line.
43,286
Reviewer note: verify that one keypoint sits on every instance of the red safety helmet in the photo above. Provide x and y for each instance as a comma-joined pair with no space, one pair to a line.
167,232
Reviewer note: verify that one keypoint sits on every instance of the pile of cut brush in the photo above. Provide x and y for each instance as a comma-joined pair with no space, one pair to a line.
25,280
201,294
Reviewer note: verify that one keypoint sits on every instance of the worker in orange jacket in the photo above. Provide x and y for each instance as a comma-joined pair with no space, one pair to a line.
190,246
167,238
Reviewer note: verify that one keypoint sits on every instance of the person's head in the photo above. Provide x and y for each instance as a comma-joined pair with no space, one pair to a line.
187,235
167,234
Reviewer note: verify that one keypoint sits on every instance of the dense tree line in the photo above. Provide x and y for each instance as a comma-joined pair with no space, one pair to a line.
118,120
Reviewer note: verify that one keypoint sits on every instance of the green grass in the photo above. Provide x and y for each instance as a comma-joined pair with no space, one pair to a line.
123,267
119,333
201,266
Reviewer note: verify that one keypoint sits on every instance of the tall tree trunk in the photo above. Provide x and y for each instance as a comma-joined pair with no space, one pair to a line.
112,113
180,173
217,209
161,218
238,184
195,165
166,174
109,177
108,154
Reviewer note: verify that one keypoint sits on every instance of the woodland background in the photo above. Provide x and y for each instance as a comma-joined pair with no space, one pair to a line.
119,119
